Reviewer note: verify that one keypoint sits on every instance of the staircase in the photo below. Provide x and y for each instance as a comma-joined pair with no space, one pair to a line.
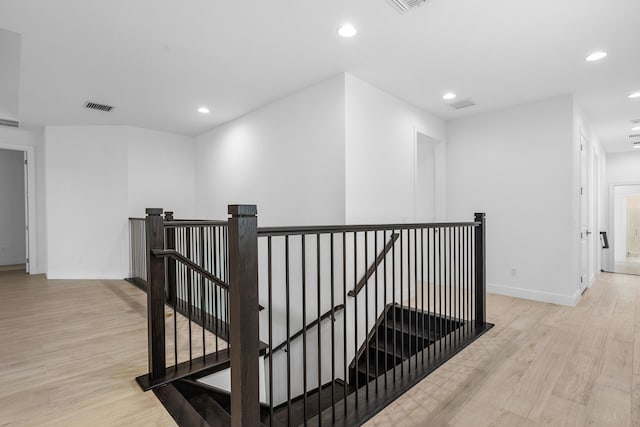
214,267
203,405
399,333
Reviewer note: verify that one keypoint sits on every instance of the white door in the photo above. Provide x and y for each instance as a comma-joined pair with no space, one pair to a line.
425,179
596,249
26,213
585,234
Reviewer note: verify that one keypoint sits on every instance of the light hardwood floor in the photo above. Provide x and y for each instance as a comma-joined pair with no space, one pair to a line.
542,364
70,351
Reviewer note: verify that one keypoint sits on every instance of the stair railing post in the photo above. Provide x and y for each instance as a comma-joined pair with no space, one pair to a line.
155,293
244,316
171,263
481,269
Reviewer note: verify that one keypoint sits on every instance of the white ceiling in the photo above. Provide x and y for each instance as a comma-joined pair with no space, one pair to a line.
158,60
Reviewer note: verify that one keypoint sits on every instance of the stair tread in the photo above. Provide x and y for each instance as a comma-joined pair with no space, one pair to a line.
432,330
413,331
297,405
387,345
203,365
210,410
373,370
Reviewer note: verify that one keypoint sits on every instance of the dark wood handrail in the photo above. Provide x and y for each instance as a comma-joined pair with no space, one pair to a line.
322,229
310,325
372,269
192,222
170,253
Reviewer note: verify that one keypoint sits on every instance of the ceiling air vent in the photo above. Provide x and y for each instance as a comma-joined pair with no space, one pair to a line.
634,135
463,103
10,123
403,6
95,106
635,121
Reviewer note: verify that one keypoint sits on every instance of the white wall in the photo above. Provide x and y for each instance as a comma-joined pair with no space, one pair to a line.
380,155
623,167
31,142
9,75
97,176
518,166
12,209
86,170
287,157
161,172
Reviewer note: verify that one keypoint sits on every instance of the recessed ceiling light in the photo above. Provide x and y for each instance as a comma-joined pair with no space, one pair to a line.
449,96
347,30
634,95
596,56
635,128
636,146
203,110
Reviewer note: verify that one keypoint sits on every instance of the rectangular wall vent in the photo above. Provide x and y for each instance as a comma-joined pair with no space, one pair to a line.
10,123
95,106
463,103
634,135
403,6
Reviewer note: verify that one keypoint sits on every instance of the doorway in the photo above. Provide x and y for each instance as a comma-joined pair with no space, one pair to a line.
425,179
429,178
625,247
14,210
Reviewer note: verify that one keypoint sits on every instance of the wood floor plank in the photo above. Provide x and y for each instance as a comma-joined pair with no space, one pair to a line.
608,407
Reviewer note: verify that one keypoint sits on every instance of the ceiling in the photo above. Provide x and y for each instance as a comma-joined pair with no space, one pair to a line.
157,61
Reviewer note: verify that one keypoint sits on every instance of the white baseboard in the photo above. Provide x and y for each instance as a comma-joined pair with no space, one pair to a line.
560,299
61,275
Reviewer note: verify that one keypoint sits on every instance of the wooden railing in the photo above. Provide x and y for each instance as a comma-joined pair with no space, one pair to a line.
403,298
357,333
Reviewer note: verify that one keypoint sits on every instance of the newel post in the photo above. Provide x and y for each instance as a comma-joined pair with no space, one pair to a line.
155,293
244,318
171,263
481,270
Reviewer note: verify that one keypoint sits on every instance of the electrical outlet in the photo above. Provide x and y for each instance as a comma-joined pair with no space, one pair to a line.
514,272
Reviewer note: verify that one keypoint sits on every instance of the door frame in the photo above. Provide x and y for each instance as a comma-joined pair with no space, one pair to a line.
584,198
596,226
611,259
30,198
439,164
